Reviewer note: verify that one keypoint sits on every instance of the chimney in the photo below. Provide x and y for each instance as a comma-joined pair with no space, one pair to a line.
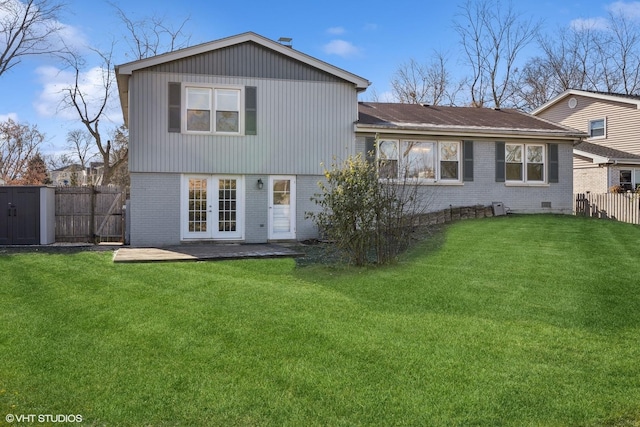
286,41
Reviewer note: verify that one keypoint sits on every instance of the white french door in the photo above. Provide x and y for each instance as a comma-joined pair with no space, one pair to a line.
213,207
282,207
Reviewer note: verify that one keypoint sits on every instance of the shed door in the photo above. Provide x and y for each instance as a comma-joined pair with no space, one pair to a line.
19,215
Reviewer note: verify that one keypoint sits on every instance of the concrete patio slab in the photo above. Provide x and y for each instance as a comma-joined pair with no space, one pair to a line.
204,252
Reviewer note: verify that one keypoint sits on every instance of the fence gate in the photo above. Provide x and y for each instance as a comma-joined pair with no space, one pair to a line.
90,214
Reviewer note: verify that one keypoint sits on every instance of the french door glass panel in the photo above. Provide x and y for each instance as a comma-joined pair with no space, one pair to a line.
214,207
198,208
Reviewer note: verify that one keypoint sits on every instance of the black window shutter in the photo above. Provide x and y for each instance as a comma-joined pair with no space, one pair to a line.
500,171
250,110
175,95
554,170
467,160
370,149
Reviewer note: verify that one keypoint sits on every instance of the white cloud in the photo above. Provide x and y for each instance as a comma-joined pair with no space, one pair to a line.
629,10
50,102
341,48
72,37
12,116
336,30
66,36
589,24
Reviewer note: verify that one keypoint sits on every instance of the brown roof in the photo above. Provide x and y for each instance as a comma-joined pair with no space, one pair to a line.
609,153
418,116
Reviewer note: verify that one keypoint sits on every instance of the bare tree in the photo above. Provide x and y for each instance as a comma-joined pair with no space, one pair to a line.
430,83
151,36
19,143
27,28
604,58
120,155
492,38
91,110
619,51
81,144
145,37
56,161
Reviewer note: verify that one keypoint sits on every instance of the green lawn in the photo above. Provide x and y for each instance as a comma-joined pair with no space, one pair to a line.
519,320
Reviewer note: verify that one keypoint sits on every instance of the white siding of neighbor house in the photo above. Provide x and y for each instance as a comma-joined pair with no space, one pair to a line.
623,120
301,124
484,190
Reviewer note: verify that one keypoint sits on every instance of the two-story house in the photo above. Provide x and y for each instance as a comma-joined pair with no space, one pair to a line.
610,156
228,140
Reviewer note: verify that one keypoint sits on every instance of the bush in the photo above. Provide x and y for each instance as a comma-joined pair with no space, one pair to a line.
363,214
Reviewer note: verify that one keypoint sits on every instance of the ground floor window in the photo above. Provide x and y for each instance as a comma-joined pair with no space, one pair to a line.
423,160
525,162
630,179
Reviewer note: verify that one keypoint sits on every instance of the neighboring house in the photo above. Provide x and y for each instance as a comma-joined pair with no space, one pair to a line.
77,175
69,175
227,142
610,156
96,171
467,156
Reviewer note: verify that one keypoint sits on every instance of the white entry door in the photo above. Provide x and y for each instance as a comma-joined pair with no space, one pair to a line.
213,207
282,207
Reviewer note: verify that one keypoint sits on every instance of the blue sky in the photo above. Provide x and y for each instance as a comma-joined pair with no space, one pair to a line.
370,39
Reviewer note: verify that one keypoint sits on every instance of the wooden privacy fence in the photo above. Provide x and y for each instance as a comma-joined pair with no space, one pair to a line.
623,207
90,214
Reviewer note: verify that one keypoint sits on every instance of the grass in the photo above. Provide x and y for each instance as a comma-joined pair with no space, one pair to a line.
526,320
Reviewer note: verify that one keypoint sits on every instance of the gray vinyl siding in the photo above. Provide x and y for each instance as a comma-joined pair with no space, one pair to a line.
623,121
300,125
484,189
246,60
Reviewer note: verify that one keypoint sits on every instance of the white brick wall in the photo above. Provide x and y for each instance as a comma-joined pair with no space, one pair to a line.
484,190
594,179
155,209
155,199
256,214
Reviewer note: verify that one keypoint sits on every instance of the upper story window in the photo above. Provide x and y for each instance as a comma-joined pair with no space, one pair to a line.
227,107
525,162
213,110
198,109
597,128
424,160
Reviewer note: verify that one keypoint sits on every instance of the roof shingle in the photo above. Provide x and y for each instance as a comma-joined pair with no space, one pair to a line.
418,115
